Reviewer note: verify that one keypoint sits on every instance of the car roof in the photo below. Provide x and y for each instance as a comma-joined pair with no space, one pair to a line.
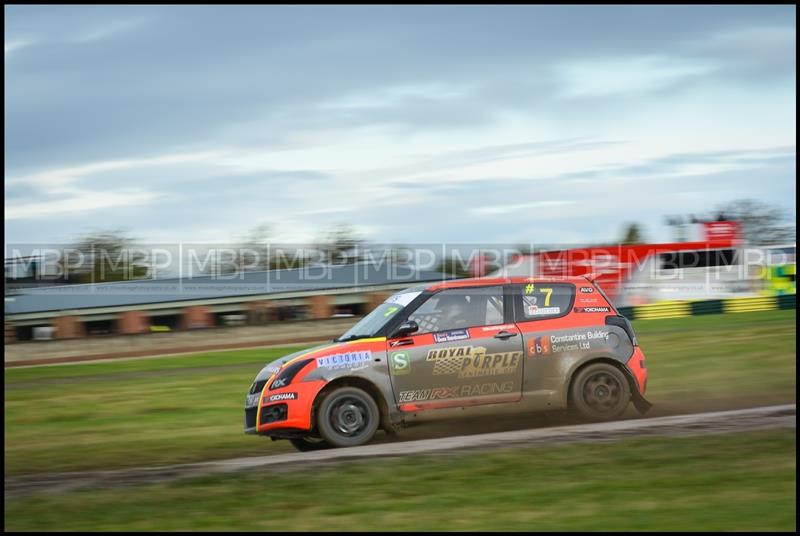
488,281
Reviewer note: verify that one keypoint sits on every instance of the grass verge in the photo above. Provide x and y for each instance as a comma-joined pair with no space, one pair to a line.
730,482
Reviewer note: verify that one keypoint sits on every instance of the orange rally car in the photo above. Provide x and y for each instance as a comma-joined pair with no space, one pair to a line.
469,346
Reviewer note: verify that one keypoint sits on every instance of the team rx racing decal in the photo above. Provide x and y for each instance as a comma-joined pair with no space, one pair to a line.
553,344
472,362
282,396
449,336
459,391
349,360
592,309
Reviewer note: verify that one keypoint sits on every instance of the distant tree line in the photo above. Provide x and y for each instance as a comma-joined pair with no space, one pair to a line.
114,255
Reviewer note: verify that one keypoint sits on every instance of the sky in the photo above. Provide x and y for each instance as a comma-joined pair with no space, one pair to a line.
413,124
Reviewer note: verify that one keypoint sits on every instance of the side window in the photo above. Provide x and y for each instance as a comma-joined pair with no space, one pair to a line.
538,301
460,308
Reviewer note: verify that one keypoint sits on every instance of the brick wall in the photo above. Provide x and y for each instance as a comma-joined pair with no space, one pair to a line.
320,307
374,299
261,312
11,333
68,327
197,316
131,322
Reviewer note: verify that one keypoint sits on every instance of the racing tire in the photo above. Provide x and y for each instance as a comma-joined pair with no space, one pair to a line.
306,444
600,392
347,417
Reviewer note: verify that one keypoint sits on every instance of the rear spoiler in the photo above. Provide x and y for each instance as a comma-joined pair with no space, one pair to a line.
592,276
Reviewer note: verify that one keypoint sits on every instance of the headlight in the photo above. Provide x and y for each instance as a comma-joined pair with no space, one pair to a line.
258,386
252,400
255,392
288,373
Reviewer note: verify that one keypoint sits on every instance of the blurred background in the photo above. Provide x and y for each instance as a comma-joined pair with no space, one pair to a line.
211,180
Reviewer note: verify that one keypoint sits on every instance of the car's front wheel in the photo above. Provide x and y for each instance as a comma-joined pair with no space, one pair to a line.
308,443
347,417
600,392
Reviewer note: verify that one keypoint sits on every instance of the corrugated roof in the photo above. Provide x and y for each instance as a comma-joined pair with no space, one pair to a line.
158,291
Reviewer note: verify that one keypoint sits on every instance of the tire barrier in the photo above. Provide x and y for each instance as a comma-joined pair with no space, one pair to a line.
780,279
677,309
665,309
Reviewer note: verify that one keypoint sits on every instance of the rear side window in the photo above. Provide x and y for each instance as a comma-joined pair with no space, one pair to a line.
539,301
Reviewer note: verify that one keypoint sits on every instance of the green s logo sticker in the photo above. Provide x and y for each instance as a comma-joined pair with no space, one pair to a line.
401,363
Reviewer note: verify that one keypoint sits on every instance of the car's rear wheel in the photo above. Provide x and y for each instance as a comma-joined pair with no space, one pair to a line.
308,443
600,392
347,416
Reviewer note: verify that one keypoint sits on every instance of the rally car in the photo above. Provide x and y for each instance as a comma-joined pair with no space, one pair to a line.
465,346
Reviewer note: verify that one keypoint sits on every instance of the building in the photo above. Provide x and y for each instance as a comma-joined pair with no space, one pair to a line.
257,297
712,263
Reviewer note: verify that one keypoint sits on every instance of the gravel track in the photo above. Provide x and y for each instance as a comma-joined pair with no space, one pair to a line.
783,416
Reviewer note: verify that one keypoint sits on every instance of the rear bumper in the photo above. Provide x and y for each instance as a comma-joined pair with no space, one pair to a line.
638,369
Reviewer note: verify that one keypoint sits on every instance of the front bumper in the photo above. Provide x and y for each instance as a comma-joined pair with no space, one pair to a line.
284,410
250,420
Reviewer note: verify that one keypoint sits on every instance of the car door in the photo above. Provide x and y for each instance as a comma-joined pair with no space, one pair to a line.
549,333
467,351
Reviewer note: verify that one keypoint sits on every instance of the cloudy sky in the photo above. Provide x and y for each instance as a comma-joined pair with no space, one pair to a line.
413,124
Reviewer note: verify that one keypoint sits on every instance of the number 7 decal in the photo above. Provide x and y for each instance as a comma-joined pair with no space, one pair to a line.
548,291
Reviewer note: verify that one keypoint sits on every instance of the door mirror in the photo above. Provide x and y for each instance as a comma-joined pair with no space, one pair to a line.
406,328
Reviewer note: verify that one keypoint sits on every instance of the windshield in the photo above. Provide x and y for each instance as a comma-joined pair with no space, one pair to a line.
373,322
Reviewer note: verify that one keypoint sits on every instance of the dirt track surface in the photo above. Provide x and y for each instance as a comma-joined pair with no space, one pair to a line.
672,426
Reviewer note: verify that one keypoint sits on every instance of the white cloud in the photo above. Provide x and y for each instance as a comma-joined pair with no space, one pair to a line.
107,30
392,96
58,180
11,46
78,202
516,207
597,78
762,42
